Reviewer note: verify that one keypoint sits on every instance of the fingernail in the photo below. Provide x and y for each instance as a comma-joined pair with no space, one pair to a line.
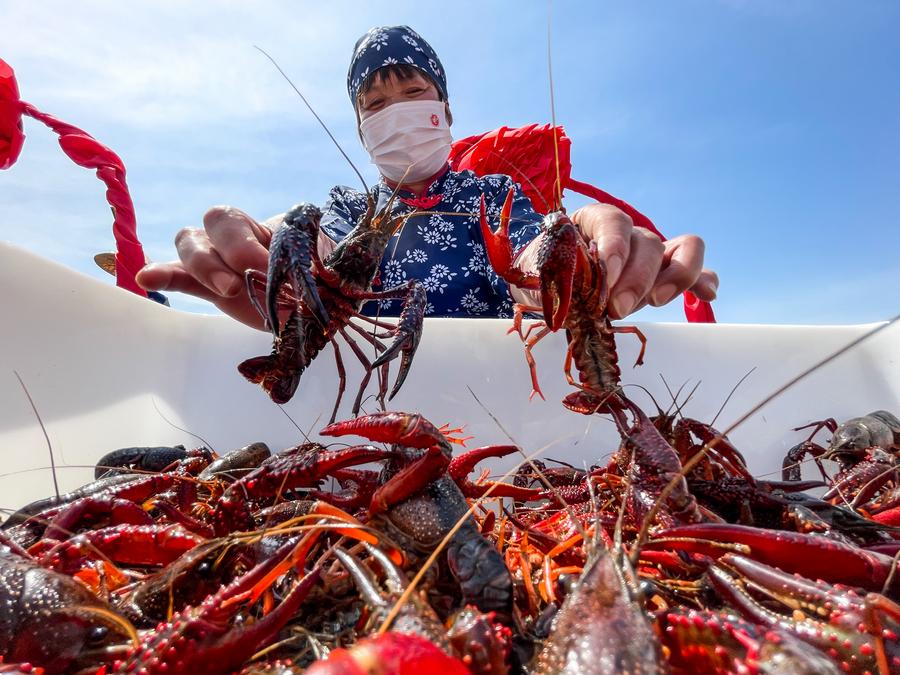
226,284
663,294
151,285
613,270
623,303
711,289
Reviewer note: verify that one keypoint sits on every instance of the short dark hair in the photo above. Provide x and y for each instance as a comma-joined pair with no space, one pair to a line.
401,71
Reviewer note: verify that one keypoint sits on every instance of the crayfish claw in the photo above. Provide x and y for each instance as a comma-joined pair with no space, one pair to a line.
291,257
363,578
405,363
557,259
415,617
305,285
410,429
498,247
394,579
407,334
462,465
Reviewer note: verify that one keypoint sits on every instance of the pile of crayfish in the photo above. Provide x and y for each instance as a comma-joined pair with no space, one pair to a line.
670,557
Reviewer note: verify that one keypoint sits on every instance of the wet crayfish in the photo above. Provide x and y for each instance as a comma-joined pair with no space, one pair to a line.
207,562
866,450
324,301
574,294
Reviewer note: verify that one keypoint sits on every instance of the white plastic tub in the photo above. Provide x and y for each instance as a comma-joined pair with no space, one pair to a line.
107,369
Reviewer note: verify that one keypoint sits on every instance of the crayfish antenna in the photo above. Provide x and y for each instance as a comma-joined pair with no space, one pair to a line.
43,429
559,188
730,394
318,119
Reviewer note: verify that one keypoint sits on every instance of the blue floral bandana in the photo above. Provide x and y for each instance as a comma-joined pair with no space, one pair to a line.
393,45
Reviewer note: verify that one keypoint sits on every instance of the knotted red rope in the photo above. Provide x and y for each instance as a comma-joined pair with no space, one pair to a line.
528,155
86,151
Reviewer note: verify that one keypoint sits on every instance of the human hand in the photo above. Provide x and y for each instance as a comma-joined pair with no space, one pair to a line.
212,262
640,268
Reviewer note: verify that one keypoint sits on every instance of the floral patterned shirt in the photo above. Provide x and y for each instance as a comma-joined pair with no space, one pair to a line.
442,246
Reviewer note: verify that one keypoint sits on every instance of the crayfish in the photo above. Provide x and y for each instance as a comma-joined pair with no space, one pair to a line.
326,297
224,557
574,294
866,450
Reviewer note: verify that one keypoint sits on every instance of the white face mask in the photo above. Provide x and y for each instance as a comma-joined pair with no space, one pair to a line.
408,141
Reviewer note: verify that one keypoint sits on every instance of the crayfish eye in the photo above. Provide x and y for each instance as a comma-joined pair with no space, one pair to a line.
97,634
565,584
204,568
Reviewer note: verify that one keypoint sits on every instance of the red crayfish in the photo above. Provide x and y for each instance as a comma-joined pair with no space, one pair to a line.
573,291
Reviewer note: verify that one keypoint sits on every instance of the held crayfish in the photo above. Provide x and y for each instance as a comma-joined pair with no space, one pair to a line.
324,301
573,294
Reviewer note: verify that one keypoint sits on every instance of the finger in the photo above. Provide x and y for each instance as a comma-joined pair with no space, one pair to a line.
237,238
639,273
682,263
172,277
203,262
707,285
611,229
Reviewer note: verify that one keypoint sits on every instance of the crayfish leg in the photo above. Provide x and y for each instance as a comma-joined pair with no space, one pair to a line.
634,330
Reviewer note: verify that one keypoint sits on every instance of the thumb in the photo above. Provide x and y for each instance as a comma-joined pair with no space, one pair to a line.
707,285
172,277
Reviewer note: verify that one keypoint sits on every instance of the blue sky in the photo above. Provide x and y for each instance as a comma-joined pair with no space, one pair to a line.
770,128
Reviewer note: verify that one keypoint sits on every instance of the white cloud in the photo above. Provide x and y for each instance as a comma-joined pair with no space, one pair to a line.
177,90
170,64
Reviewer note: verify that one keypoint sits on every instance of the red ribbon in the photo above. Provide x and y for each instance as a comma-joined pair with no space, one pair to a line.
86,151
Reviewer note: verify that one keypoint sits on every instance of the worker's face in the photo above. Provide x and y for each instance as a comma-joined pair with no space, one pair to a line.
389,90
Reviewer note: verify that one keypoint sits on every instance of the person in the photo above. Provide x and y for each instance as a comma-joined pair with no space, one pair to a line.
398,88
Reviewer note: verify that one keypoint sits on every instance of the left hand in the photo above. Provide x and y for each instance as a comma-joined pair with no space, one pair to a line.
640,268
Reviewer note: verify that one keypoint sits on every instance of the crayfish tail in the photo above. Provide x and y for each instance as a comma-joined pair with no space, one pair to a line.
267,372
256,369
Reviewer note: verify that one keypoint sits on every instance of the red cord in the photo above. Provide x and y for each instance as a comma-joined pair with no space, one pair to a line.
86,151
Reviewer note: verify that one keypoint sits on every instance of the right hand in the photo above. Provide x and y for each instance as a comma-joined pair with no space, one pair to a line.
212,263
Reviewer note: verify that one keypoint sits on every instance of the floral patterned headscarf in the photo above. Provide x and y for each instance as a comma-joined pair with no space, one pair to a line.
393,45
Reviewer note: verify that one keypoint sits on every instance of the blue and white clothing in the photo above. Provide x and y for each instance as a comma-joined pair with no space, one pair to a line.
441,245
